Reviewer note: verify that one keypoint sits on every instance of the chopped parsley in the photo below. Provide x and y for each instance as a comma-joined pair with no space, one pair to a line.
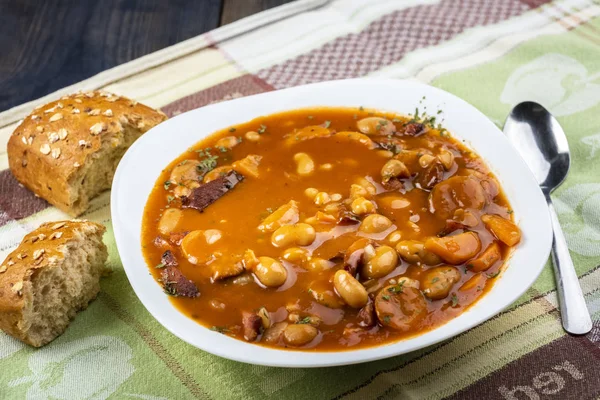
327,124
396,120
207,165
493,274
397,288
167,184
305,320
231,129
170,199
161,265
434,280
220,329
454,300
509,212
222,149
270,210
387,319
262,129
361,108
385,297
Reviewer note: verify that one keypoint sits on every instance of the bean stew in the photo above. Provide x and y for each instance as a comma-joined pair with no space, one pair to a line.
327,229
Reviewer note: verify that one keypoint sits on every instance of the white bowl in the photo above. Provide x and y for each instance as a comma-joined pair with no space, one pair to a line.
142,164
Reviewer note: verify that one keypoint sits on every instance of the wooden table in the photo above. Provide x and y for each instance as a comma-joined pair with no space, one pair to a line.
46,45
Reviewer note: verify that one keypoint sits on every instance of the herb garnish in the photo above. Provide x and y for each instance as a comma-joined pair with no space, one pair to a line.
397,288
385,297
454,300
207,165
262,129
170,199
327,123
231,129
161,265
387,319
166,185
305,320
220,329
493,274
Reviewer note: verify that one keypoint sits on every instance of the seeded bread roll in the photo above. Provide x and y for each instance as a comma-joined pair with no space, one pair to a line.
54,273
67,151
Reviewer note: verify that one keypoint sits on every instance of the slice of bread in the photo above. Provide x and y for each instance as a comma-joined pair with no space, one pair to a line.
67,151
54,273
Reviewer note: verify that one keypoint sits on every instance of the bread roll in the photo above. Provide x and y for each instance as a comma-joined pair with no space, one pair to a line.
54,273
67,151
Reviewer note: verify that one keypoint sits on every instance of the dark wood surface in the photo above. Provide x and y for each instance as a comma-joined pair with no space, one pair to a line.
48,44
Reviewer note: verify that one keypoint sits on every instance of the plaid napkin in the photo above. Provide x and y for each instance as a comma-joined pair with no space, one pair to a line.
492,54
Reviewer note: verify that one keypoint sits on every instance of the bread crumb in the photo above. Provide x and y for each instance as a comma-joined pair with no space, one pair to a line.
108,113
45,148
62,133
55,152
95,111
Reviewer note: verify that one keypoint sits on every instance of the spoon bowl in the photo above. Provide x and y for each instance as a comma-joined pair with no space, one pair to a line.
542,143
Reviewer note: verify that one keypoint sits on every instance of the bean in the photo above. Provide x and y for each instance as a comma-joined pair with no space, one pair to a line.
270,272
190,243
381,263
376,126
413,251
252,136
311,192
265,317
299,334
394,169
274,333
362,206
305,165
322,198
357,137
375,223
169,220
425,160
319,264
295,255
216,173
446,158
349,289
299,234
228,142
323,293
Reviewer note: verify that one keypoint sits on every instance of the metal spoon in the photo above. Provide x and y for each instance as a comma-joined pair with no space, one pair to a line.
539,138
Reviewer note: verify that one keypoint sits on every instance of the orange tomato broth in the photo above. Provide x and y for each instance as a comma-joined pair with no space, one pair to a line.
238,213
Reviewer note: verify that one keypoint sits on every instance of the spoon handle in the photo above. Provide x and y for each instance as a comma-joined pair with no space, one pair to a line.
575,315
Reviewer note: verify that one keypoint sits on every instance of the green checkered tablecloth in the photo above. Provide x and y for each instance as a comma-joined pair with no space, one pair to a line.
492,53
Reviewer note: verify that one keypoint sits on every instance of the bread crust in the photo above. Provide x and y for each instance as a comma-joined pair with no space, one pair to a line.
55,146
40,249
